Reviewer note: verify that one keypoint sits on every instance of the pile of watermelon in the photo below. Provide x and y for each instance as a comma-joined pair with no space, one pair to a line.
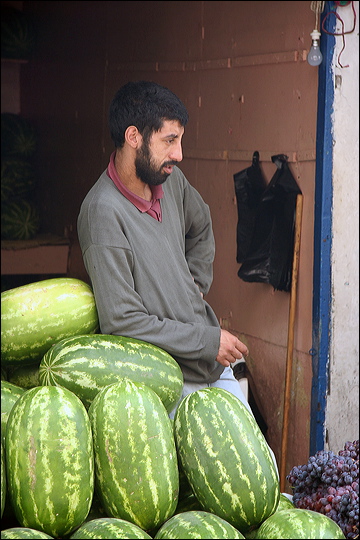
89,450
20,218
17,33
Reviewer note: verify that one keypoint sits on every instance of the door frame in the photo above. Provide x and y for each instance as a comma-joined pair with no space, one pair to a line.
322,276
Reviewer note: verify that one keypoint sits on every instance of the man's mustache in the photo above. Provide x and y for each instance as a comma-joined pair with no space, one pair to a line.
169,163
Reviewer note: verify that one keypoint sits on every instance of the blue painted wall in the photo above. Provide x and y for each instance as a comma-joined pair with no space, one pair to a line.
322,239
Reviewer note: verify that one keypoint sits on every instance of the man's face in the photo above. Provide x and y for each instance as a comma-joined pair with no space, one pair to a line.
155,159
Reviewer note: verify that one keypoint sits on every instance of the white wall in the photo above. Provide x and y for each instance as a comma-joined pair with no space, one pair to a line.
342,413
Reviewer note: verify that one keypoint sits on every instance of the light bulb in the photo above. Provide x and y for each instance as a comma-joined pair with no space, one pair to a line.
315,57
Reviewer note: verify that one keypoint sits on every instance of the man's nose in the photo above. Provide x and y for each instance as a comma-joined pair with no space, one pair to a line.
176,153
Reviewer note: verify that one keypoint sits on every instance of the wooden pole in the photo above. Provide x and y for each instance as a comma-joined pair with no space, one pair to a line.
290,343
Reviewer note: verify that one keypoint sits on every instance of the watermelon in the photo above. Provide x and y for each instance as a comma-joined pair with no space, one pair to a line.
284,502
10,393
49,460
85,364
25,376
36,316
109,528
18,137
298,523
3,479
17,33
20,220
23,532
136,467
17,179
197,524
226,458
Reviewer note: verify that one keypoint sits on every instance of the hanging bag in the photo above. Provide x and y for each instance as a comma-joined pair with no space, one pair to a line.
270,254
249,187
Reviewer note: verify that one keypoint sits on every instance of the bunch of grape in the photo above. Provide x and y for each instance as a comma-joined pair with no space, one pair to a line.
329,483
351,449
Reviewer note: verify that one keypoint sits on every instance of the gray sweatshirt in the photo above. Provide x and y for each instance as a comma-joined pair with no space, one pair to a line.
147,275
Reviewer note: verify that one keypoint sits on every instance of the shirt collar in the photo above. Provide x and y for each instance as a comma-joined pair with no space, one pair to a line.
140,203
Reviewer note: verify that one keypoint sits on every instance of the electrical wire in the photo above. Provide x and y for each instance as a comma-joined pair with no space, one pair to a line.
317,8
343,32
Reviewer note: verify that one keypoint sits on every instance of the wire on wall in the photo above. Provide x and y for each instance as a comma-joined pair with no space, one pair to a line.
343,31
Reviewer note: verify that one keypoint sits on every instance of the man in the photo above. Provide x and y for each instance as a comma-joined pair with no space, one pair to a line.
147,242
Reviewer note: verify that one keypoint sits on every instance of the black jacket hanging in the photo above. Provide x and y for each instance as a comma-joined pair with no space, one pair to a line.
249,187
269,257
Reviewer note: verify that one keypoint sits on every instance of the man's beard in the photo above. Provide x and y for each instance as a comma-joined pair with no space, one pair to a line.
145,169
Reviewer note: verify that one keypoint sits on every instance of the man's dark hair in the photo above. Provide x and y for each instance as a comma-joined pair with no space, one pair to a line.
145,105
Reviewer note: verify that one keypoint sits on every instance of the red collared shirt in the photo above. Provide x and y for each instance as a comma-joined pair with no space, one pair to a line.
152,207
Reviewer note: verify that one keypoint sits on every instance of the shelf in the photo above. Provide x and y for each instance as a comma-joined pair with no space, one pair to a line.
15,60
44,254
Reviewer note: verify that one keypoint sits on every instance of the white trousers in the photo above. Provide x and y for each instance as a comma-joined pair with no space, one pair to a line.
226,381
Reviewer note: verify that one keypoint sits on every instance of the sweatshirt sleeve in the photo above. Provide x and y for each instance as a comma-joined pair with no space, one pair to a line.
199,238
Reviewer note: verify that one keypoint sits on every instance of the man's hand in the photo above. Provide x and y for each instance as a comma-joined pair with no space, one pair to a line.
231,349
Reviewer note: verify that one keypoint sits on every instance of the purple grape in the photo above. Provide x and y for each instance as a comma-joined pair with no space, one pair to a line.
329,484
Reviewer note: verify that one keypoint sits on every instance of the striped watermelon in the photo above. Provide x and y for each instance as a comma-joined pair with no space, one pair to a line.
37,315
284,503
10,393
18,137
25,376
226,458
17,179
136,467
23,532
17,33
85,364
197,524
109,528
298,523
20,220
49,460
3,479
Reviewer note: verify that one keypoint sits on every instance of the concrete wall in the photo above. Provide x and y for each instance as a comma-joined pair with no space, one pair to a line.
342,414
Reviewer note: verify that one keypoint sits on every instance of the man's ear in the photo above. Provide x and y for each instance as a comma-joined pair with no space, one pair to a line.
133,137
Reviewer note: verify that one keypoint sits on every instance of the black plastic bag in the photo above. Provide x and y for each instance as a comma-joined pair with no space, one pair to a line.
249,186
270,255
